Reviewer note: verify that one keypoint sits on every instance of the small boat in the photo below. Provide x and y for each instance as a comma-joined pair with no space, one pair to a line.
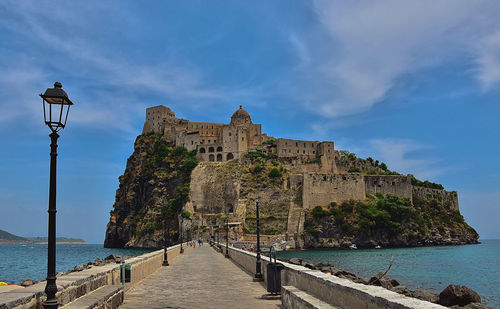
353,246
377,247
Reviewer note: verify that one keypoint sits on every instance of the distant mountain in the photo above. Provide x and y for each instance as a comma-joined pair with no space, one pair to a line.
6,237
58,239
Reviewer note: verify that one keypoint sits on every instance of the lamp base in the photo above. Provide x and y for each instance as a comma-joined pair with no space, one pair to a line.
50,304
165,263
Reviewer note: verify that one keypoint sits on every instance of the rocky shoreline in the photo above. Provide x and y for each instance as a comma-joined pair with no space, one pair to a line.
453,296
97,262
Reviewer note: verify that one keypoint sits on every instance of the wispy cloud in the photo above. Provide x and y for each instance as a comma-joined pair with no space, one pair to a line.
366,47
404,156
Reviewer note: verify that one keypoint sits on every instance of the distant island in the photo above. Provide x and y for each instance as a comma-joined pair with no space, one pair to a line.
8,238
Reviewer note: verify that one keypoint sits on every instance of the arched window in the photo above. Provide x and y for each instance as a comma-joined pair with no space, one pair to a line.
202,150
219,157
211,149
230,156
219,148
211,158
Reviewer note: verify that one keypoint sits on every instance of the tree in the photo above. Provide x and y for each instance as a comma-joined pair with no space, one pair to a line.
383,166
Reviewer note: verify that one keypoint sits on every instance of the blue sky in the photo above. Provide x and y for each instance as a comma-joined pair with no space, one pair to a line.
415,84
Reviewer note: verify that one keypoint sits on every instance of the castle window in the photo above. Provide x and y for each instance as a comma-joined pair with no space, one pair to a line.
219,157
289,150
211,158
209,141
192,142
211,149
219,148
229,156
215,141
242,138
298,151
304,144
229,133
296,144
202,141
303,151
202,127
314,152
286,144
202,150
328,150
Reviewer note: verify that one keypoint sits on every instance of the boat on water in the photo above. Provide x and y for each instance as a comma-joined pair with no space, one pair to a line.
377,247
353,246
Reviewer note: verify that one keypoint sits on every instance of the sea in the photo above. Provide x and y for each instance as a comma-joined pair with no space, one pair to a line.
20,262
430,268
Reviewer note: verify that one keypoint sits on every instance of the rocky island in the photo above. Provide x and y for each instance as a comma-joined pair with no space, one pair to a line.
199,174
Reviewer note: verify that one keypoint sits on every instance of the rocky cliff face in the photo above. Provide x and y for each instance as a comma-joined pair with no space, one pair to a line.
152,192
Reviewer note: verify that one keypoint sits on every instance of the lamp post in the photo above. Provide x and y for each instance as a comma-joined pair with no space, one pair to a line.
56,106
258,274
165,240
180,229
227,237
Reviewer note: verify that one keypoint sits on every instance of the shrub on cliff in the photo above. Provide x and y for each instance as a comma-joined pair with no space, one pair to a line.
274,173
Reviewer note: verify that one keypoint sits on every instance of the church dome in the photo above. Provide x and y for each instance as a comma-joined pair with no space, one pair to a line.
241,116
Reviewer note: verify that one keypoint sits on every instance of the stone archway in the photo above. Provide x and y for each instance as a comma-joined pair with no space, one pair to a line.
211,158
219,148
219,157
229,156
211,149
202,150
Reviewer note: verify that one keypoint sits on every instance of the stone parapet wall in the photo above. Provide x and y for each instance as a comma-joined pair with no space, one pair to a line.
333,290
322,189
448,198
394,184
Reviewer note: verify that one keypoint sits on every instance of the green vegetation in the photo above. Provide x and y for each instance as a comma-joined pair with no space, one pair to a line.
347,154
354,170
274,173
425,184
387,215
269,142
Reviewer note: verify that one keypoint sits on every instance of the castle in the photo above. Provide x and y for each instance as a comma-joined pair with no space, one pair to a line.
219,142
317,170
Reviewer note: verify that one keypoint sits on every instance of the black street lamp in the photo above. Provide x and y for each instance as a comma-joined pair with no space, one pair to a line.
165,243
180,232
56,106
227,236
258,274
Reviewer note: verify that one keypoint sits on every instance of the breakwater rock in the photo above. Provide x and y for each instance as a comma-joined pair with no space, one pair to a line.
454,296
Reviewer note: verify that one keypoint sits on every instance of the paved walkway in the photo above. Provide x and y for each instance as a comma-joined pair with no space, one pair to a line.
199,278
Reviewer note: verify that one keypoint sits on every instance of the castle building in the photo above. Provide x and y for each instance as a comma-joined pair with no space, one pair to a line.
219,142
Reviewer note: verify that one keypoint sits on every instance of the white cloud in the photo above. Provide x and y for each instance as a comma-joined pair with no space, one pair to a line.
489,60
400,155
367,46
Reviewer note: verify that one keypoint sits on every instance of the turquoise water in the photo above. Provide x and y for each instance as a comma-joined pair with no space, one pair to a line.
431,268
18,262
